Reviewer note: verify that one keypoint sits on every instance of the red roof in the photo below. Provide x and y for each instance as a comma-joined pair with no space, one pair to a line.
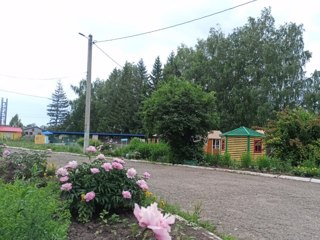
10,129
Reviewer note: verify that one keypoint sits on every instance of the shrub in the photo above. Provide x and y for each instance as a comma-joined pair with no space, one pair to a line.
34,213
23,165
225,160
306,171
91,188
141,150
263,163
92,142
246,160
211,159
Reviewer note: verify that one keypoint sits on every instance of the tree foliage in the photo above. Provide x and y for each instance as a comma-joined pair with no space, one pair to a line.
180,112
58,109
255,71
16,121
294,136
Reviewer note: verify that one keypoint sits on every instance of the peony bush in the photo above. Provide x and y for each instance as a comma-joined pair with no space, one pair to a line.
101,185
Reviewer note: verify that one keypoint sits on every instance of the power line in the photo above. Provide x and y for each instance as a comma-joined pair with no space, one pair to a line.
95,44
176,25
24,94
36,79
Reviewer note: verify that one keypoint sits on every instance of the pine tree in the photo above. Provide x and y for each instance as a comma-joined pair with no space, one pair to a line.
156,75
58,109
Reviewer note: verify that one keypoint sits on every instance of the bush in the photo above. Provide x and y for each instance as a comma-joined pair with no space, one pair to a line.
306,171
23,165
92,142
103,183
211,159
225,160
140,150
263,163
34,213
246,160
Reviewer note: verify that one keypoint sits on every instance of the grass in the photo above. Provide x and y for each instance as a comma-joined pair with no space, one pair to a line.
53,147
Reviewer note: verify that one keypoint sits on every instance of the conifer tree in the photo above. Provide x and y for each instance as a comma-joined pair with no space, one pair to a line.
58,109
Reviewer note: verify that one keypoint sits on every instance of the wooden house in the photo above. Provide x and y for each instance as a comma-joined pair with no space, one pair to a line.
241,141
12,133
213,144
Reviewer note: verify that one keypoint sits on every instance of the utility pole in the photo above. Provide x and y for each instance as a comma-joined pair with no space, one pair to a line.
88,96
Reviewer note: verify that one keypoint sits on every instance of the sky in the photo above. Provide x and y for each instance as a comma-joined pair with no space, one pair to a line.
40,43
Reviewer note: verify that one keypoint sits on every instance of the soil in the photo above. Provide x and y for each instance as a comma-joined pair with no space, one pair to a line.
127,228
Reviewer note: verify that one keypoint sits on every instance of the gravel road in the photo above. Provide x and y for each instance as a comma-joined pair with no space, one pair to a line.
247,207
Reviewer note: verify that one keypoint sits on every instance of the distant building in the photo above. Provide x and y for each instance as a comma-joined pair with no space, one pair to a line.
11,133
243,141
213,144
31,132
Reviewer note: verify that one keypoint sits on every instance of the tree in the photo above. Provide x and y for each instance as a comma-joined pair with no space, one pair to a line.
294,136
156,75
143,75
311,90
58,109
255,71
16,122
180,112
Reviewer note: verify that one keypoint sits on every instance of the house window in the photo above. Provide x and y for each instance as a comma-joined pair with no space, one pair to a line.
216,144
257,146
223,144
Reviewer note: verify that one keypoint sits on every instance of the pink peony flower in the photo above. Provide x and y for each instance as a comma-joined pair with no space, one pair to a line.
152,218
119,160
66,187
126,194
146,175
94,170
89,196
117,165
72,165
62,172
6,153
107,166
64,179
142,184
91,149
131,173
101,157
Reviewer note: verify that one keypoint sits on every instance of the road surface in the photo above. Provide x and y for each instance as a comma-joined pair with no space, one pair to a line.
247,207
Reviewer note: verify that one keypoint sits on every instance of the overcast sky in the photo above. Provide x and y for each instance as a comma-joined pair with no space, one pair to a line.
40,43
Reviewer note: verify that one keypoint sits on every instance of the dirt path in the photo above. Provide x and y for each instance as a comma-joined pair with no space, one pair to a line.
248,207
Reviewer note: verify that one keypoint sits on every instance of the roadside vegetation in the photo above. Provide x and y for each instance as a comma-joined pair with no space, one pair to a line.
39,201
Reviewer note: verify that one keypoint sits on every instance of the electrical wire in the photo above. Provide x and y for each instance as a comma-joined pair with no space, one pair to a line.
35,79
178,24
24,94
95,44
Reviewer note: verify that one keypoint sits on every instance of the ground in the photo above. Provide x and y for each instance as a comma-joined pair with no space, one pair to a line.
247,207
119,231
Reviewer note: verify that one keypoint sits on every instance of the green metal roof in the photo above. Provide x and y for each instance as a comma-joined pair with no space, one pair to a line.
243,131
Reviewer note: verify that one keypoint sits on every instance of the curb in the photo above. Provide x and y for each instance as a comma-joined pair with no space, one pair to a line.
269,175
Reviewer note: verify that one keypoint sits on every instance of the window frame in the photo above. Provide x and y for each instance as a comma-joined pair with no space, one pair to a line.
215,146
223,144
257,148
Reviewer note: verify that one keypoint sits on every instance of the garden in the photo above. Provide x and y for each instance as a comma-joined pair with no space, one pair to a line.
100,199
